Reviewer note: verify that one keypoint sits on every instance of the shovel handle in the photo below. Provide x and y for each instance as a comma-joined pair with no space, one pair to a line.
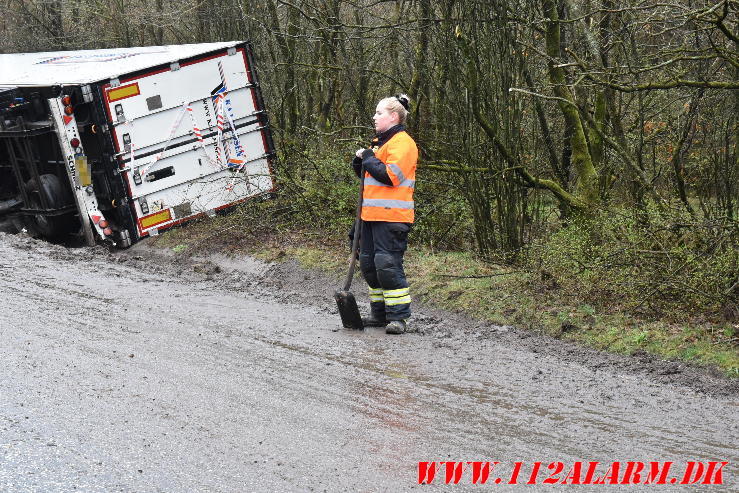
357,233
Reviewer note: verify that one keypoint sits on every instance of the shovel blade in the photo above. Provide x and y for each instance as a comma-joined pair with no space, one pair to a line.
350,317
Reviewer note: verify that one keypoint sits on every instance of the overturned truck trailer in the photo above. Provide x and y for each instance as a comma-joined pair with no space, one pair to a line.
118,144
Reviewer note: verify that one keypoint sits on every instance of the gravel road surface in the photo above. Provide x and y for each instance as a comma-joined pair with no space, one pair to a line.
141,372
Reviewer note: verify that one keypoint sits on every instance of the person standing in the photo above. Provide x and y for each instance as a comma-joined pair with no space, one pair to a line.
387,214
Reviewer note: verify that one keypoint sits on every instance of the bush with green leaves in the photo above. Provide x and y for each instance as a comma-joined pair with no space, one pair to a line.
670,266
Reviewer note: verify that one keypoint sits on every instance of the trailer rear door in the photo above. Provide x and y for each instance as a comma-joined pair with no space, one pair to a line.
191,138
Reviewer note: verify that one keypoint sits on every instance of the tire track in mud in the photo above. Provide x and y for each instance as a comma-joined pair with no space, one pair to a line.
218,382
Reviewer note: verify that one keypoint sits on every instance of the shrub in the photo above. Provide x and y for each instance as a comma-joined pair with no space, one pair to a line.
670,266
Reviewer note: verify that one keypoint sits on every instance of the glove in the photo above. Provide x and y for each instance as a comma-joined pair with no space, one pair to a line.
357,165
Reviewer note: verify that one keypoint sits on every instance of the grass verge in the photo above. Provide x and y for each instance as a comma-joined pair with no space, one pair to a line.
459,282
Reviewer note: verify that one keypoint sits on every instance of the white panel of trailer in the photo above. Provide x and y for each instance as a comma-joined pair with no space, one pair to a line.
87,66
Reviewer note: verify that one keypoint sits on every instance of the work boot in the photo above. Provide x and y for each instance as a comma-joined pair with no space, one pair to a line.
373,321
396,327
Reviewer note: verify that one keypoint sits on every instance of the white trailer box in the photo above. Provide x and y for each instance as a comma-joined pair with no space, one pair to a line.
118,144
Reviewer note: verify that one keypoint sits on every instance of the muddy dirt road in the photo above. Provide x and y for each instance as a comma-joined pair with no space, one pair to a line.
132,372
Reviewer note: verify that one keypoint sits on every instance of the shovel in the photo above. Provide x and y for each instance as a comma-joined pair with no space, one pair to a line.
350,317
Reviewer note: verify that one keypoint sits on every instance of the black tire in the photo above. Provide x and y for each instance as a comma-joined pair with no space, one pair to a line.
19,223
57,196
7,225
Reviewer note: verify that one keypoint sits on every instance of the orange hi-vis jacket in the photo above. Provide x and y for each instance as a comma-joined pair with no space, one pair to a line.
392,203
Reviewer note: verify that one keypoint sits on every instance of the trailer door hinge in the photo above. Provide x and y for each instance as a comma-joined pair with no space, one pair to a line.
174,66
120,115
86,94
115,82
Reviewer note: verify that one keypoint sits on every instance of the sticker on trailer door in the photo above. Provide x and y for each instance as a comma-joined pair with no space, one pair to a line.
224,112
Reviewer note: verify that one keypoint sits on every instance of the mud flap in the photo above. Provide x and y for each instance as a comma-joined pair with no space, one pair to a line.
350,317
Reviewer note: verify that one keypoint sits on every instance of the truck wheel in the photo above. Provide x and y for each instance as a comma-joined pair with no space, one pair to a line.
56,196
7,226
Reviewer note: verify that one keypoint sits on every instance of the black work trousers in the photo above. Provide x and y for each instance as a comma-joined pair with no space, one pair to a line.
382,245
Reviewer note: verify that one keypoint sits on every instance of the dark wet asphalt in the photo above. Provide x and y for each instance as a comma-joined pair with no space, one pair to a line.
125,373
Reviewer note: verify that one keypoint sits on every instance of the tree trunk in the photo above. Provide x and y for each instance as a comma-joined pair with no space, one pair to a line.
586,176
418,90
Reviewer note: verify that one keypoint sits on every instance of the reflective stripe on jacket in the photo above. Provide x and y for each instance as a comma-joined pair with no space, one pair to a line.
392,203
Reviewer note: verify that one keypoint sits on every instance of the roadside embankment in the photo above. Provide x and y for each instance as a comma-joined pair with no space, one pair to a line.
482,294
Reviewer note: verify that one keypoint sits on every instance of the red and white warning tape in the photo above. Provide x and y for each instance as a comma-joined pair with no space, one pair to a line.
172,131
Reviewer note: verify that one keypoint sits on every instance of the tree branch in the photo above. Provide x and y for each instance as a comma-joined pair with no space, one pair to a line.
532,181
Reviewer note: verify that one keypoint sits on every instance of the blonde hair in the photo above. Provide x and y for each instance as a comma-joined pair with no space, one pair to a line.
397,104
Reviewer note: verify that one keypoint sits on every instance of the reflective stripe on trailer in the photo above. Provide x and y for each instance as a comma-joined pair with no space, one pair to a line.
156,218
123,92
